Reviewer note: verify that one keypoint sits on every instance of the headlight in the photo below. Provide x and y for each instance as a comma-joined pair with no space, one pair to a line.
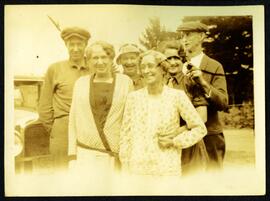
18,144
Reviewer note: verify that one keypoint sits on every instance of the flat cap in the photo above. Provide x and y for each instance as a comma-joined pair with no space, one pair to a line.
75,31
193,27
127,48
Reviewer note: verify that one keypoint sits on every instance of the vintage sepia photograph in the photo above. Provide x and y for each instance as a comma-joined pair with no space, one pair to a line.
134,100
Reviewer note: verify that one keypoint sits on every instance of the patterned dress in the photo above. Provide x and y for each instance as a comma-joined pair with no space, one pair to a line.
147,115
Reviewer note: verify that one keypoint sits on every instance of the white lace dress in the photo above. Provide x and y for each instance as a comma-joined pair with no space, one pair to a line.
145,116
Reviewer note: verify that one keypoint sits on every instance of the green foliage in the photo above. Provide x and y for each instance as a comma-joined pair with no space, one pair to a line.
241,116
154,34
230,42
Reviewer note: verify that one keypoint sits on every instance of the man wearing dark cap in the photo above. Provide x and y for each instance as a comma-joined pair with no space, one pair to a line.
56,94
128,57
209,75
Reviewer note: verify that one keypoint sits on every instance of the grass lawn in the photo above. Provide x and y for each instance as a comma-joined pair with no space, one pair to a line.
240,147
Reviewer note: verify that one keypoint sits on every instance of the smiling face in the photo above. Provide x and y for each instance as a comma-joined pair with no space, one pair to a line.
150,70
130,63
76,47
100,60
175,63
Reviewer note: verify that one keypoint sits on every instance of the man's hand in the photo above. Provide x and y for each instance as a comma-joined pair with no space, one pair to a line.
195,74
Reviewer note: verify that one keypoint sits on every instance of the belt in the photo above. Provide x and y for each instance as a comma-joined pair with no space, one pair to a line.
117,164
113,154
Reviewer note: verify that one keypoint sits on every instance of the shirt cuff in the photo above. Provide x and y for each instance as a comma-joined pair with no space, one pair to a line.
208,95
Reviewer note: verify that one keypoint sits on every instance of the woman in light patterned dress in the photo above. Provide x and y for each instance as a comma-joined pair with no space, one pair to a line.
151,139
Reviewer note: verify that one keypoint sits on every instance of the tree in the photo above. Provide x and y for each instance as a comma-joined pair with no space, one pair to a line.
230,43
154,34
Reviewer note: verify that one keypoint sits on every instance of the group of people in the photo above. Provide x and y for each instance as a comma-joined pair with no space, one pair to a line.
159,117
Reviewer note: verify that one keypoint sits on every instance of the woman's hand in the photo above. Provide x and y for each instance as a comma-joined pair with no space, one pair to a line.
165,140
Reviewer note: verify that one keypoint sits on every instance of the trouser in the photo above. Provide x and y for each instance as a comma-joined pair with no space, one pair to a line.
194,159
215,146
59,143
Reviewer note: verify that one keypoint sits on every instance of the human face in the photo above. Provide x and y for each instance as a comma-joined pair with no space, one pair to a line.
76,47
130,63
192,40
175,64
150,71
100,61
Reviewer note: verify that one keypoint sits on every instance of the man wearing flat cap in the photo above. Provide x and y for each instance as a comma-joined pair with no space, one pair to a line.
209,75
56,94
128,57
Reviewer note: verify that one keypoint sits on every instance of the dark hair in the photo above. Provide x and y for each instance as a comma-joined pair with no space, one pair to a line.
173,44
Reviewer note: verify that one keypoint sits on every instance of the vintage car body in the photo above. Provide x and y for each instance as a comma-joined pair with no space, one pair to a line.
31,146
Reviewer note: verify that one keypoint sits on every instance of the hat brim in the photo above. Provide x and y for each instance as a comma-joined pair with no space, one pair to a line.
172,55
75,35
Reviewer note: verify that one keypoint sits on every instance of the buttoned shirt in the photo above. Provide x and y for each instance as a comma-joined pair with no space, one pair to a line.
175,81
182,82
57,90
196,61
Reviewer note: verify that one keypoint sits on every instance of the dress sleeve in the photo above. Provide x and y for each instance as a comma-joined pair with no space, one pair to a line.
196,129
45,106
125,134
72,131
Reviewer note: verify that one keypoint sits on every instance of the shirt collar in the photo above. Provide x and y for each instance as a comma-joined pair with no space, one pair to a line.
83,66
178,77
196,61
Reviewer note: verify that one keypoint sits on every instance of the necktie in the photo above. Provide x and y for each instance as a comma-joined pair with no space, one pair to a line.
171,82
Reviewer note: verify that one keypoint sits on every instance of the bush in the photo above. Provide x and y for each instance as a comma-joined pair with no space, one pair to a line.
239,116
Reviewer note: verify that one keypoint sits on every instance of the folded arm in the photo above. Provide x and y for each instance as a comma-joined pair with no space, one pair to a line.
195,128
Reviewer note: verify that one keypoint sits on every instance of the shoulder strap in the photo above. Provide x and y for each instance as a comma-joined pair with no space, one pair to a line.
101,133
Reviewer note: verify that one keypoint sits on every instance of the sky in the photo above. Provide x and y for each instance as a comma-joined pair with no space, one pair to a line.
32,42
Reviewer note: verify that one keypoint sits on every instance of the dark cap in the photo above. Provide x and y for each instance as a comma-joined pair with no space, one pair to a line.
193,27
75,31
